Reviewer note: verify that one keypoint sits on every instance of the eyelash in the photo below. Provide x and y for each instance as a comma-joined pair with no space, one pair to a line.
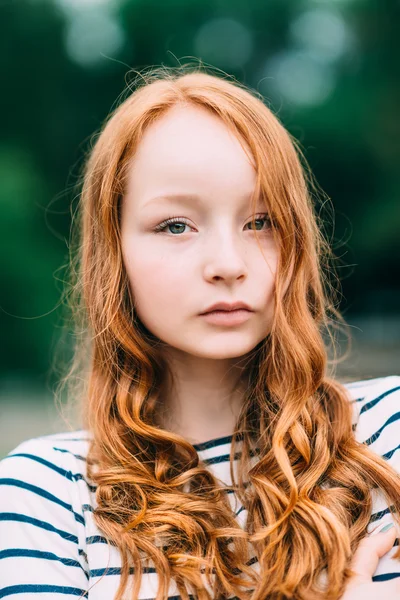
170,220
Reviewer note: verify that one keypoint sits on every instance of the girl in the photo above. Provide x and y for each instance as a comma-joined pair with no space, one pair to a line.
217,458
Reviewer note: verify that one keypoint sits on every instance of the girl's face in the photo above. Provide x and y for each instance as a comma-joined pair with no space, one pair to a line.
210,254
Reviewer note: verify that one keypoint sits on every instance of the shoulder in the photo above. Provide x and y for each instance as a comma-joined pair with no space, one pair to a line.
364,388
57,453
376,412
43,494
46,470
376,404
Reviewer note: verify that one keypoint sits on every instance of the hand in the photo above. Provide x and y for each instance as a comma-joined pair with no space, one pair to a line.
364,563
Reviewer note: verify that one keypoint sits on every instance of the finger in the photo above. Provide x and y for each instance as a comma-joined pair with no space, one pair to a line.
369,551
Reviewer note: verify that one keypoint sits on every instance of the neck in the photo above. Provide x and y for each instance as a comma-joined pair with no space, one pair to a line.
201,398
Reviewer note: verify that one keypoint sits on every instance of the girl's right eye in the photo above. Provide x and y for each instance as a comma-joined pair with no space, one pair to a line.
171,221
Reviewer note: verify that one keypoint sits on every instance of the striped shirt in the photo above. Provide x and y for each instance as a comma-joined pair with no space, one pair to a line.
50,544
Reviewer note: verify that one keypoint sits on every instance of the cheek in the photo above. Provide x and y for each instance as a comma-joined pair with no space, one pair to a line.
156,287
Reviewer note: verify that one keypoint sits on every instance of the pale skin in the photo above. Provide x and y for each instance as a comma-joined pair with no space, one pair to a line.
364,564
210,256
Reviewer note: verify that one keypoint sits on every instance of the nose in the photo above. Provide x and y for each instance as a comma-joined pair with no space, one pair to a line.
225,259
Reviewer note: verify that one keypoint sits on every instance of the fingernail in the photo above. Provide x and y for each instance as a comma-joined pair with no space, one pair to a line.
386,528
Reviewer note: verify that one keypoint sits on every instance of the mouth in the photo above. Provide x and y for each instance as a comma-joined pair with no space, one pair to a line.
227,317
219,310
227,307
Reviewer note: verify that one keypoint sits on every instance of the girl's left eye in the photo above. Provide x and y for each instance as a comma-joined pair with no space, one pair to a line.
182,221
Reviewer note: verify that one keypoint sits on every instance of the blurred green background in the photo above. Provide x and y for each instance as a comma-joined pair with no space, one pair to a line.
328,68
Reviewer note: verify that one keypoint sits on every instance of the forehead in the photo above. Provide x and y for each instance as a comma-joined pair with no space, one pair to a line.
187,155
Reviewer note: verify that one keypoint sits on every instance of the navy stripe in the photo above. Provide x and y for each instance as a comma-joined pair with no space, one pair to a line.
375,401
190,596
42,589
376,435
357,400
44,462
117,571
5,516
18,552
389,454
109,571
80,477
225,457
385,576
83,553
67,474
213,443
94,539
40,492
78,456
376,516
218,442
216,459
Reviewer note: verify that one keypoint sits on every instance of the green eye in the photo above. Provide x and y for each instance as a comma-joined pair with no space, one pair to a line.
171,221
259,218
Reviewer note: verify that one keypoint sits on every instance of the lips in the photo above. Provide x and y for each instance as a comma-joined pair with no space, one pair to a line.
227,307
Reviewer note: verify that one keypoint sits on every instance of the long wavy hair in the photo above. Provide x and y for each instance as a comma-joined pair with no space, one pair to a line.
308,491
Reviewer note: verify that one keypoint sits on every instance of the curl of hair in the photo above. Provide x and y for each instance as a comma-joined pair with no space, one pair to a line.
308,494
